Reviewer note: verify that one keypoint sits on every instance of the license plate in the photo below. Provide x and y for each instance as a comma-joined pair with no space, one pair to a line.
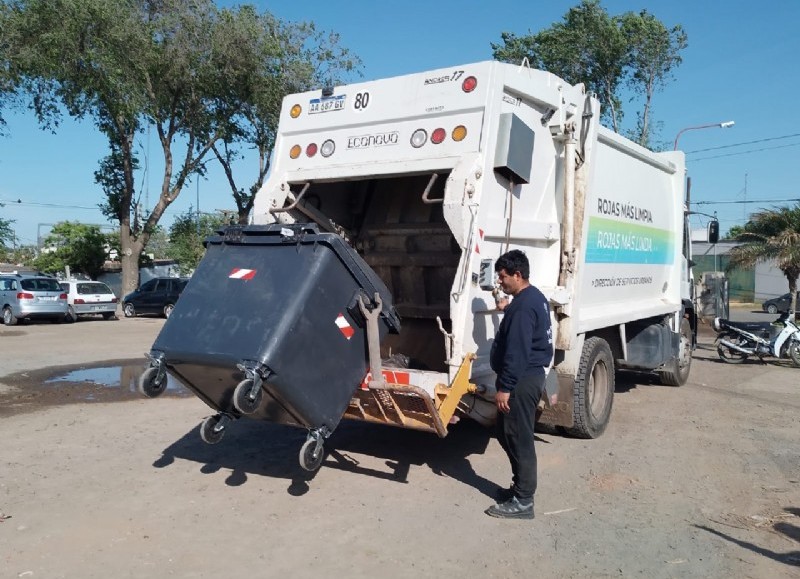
326,104
47,298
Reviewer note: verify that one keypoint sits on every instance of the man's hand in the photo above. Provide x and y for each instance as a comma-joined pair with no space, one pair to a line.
501,399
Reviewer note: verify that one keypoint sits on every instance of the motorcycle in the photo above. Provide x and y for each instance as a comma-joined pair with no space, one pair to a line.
736,341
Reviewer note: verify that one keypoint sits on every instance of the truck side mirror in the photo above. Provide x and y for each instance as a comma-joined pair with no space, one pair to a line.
486,275
713,231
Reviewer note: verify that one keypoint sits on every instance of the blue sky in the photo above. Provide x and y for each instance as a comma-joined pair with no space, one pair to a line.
741,65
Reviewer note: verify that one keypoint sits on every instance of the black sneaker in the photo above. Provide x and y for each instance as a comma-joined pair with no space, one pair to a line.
511,509
502,495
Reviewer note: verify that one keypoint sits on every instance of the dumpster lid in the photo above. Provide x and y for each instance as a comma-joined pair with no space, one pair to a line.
309,234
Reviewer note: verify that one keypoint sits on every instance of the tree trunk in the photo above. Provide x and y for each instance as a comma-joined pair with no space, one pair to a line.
644,137
131,250
792,290
130,272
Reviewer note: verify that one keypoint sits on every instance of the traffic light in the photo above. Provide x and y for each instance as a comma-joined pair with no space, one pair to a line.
713,231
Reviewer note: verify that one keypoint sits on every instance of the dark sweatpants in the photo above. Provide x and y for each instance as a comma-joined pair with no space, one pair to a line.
515,434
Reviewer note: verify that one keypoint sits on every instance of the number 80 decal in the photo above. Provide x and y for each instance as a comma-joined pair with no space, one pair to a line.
361,101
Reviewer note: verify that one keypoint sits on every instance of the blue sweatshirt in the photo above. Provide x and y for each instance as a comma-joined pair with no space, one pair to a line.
524,343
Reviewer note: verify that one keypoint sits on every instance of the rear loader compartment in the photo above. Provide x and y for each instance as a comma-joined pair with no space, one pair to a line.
397,226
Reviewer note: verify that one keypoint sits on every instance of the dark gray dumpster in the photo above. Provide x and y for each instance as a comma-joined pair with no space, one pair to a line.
278,304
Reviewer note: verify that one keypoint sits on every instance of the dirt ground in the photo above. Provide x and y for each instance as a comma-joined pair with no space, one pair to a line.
697,481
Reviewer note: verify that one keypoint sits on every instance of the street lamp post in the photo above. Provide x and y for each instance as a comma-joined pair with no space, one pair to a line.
722,125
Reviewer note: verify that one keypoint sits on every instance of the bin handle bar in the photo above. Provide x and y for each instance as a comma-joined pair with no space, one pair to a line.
425,198
275,210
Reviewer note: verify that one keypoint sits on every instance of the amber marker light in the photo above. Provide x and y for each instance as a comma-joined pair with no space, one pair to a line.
459,133
294,152
295,112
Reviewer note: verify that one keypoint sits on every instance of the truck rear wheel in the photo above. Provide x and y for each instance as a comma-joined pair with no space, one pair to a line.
593,391
676,373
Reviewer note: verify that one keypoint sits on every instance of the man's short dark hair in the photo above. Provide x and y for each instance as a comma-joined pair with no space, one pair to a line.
514,261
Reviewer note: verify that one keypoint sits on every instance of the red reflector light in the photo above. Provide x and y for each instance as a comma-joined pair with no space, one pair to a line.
62,297
311,150
113,300
79,301
438,136
24,296
469,84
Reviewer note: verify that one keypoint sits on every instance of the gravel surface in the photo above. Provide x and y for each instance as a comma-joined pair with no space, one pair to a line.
697,481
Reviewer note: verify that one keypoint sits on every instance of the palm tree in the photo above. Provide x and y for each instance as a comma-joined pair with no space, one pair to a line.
772,234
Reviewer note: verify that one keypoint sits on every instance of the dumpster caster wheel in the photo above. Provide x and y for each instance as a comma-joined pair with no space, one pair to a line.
149,385
245,399
213,429
311,454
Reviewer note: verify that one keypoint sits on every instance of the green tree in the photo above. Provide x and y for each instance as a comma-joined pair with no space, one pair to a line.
286,58
7,83
129,64
606,53
186,237
772,234
183,68
587,46
20,255
7,236
81,247
654,51
734,232
158,244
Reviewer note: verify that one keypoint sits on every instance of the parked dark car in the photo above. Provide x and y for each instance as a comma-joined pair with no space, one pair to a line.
156,296
780,304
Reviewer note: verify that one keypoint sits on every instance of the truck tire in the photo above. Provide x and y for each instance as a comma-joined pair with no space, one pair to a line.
593,391
676,372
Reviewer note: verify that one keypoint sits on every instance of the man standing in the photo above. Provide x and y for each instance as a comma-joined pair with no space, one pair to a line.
522,350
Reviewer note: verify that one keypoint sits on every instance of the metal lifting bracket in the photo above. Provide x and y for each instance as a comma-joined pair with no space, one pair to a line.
373,339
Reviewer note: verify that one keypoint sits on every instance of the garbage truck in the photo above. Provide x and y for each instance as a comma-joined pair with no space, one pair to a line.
363,287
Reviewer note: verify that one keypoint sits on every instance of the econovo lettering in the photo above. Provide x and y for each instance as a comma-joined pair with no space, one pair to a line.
376,140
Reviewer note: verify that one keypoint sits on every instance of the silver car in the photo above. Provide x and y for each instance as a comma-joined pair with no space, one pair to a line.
29,297
89,298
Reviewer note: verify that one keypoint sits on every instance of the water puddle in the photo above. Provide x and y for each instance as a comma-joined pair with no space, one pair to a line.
103,383
124,377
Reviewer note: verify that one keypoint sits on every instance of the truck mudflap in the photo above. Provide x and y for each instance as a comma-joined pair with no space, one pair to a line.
557,409
394,401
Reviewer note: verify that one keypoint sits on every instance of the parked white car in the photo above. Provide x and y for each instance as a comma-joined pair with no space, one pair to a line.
89,298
